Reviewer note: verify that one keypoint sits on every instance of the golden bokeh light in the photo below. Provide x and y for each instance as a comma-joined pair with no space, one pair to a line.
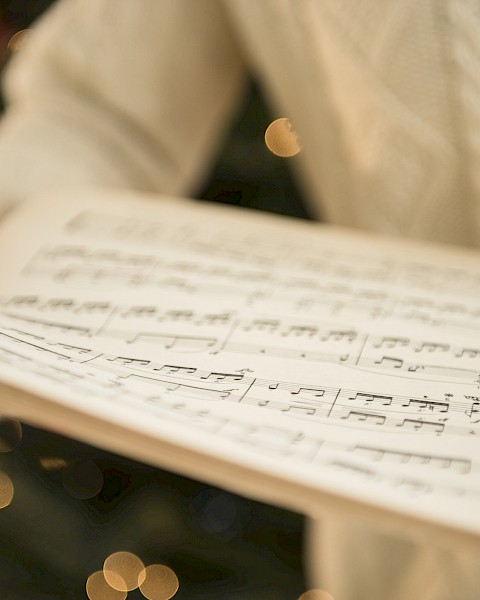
124,571
82,479
98,589
17,40
160,583
316,594
6,490
281,138
10,434
52,463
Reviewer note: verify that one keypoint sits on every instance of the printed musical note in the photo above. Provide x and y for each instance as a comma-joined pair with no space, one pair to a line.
301,408
136,312
430,405
473,411
432,347
309,392
177,342
468,352
369,418
269,325
423,426
391,342
390,362
123,360
223,377
300,330
175,369
338,335
372,398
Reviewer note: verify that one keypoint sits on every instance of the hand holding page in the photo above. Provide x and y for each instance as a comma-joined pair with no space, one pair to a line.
293,362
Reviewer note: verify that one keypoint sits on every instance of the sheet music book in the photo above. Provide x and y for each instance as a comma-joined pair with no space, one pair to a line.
293,362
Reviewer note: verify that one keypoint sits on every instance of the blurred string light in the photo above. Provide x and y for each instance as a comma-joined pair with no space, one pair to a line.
281,139
82,479
17,40
124,571
10,434
6,490
316,594
52,463
159,583
98,589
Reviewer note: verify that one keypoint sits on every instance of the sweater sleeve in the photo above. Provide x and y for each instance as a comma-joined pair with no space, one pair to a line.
128,93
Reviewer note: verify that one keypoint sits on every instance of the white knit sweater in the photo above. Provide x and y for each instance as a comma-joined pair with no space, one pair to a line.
385,97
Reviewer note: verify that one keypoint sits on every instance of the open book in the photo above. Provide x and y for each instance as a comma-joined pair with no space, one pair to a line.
292,362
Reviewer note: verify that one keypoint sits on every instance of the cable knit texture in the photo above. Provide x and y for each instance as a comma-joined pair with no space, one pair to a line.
372,90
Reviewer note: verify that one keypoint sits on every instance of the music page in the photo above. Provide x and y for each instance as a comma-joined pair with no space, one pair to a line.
294,362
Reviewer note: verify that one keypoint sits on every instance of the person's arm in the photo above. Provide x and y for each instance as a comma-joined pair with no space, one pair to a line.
129,93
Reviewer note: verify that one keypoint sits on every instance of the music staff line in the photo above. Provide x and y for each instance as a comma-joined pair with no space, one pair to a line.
458,315
279,441
258,247
404,309
334,265
335,404
304,392
315,342
431,415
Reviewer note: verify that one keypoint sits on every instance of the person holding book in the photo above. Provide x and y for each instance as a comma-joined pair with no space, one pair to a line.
384,98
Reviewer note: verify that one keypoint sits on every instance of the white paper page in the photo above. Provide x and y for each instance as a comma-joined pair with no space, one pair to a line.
310,355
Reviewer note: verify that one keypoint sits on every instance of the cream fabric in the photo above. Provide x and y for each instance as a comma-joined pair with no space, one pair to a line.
385,97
